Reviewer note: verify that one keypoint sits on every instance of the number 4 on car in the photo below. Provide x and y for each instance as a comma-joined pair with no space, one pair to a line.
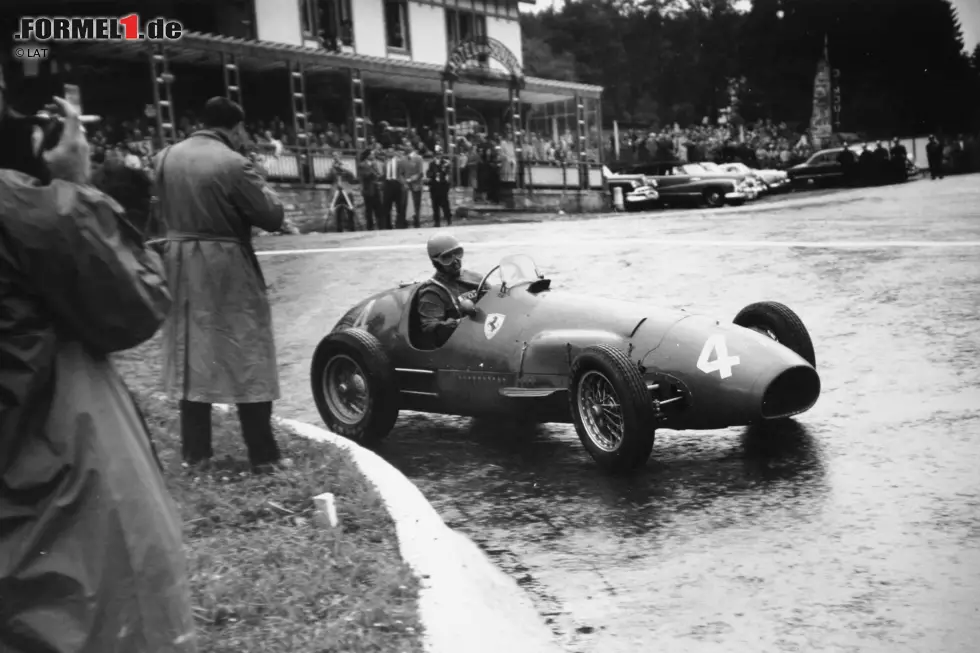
615,370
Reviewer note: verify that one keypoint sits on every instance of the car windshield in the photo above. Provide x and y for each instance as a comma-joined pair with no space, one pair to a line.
692,169
737,167
708,165
517,269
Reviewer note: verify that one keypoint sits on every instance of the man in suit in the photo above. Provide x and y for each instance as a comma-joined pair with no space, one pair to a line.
402,172
414,174
371,181
440,175
393,190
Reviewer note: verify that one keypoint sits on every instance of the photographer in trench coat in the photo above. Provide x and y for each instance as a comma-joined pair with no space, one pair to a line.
91,557
218,344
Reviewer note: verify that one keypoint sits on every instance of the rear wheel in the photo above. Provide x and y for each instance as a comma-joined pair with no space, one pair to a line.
354,386
613,412
779,322
713,198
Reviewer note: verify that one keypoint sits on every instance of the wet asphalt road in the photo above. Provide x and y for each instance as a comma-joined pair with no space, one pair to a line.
855,528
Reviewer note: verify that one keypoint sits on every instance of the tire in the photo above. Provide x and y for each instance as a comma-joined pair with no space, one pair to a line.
358,352
604,366
778,322
713,198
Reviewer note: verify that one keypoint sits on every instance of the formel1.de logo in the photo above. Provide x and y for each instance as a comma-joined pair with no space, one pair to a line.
97,28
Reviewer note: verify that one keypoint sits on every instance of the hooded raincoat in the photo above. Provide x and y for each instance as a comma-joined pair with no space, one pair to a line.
218,341
91,558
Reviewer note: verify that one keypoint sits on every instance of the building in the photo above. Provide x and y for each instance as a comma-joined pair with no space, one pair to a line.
452,66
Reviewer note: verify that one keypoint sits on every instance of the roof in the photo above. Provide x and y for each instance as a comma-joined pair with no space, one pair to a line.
197,47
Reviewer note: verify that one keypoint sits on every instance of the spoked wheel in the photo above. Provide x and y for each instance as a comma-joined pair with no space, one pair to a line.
602,416
354,386
614,415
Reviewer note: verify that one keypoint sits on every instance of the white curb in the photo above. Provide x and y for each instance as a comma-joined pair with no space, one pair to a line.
465,602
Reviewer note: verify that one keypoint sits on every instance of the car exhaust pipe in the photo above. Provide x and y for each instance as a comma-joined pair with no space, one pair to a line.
793,391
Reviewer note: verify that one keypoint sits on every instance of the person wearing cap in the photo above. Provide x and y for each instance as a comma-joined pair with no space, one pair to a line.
440,175
91,551
439,306
218,343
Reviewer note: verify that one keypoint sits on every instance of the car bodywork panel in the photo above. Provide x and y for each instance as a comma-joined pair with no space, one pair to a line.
515,356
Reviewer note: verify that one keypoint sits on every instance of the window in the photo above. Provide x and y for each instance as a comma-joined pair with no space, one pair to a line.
464,25
396,23
329,22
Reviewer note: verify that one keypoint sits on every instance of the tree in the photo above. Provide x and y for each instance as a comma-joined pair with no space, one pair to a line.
540,60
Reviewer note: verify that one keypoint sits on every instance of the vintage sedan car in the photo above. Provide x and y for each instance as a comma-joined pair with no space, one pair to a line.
773,180
752,183
616,370
821,169
677,184
639,191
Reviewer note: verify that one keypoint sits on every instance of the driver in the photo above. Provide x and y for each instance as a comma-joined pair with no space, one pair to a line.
439,308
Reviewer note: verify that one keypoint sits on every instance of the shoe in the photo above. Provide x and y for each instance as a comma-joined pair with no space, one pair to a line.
271,468
203,465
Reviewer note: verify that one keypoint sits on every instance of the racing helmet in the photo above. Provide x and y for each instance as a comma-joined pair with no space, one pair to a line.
443,245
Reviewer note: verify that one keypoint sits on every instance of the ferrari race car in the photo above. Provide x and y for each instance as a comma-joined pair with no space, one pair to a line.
616,370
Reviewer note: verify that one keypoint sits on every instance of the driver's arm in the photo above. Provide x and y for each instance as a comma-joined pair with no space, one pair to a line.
432,317
470,279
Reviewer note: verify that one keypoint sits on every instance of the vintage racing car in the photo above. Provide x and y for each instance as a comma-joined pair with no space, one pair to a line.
616,370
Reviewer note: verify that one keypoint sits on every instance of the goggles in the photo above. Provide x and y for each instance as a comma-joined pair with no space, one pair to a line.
447,258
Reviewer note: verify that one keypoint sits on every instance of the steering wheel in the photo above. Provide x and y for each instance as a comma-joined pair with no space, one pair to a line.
483,282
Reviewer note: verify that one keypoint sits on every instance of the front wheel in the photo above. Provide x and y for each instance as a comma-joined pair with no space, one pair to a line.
354,386
713,198
613,412
778,322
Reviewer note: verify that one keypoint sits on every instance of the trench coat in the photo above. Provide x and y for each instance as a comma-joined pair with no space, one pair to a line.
91,557
218,343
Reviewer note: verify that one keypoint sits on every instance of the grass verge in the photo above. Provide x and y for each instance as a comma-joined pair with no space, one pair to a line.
265,578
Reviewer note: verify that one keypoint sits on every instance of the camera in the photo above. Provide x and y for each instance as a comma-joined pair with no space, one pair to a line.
51,120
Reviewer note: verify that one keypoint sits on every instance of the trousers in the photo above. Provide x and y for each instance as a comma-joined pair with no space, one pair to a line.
256,421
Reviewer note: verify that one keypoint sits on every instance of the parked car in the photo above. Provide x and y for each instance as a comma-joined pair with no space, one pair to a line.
677,184
752,182
639,190
772,180
616,370
821,169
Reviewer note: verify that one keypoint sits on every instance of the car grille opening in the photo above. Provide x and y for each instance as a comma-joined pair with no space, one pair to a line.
793,391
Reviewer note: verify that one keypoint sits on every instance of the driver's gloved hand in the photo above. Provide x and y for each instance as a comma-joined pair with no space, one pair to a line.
471,295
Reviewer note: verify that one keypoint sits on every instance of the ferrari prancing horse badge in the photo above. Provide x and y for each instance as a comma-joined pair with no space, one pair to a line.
493,324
